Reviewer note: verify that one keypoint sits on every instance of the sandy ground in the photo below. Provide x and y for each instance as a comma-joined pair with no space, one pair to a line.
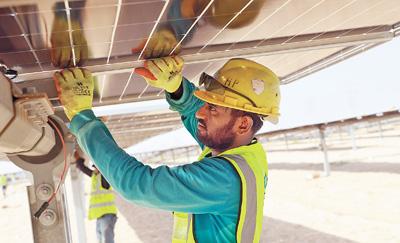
15,225
358,202
344,207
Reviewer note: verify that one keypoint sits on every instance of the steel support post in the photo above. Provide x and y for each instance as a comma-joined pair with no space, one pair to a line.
324,148
53,224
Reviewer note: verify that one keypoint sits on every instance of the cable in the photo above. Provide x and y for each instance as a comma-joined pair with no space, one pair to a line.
47,203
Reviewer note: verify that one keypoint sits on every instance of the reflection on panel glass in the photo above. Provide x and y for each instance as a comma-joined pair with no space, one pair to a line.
56,33
183,20
53,35
59,34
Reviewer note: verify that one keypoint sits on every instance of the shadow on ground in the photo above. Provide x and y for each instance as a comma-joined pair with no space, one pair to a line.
155,226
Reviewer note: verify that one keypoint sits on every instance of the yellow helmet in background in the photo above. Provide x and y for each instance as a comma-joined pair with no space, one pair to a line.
222,11
245,85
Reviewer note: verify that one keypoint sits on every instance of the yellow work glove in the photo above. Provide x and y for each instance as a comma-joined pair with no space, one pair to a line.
61,51
160,45
164,72
75,90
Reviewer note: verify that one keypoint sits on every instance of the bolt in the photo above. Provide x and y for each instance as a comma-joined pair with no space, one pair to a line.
48,217
44,191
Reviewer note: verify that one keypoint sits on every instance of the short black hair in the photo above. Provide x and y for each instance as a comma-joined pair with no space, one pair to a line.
257,120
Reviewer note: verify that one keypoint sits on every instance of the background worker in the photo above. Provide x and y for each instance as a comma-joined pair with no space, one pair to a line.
3,184
218,198
102,202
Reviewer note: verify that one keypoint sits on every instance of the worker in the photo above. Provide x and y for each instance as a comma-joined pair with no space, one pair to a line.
102,202
181,23
3,184
219,197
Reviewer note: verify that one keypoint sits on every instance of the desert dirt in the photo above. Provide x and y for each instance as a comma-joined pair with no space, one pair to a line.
358,202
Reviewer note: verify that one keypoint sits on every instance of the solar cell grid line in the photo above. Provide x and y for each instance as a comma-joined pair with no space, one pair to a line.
118,11
289,23
159,93
154,28
14,14
103,80
342,23
338,36
192,26
259,24
349,19
320,21
226,25
328,61
126,85
312,26
144,48
143,91
379,26
114,29
350,30
288,62
71,42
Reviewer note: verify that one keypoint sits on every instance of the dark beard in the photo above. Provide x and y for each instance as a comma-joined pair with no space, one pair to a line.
221,141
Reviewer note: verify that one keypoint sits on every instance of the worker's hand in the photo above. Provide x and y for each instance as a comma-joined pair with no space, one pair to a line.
75,90
160,45
164,72
61,51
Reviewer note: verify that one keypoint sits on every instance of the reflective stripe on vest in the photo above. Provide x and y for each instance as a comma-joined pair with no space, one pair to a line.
251,165
102,201
247,221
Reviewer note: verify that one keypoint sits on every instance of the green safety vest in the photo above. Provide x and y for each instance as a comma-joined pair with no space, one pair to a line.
250,163
102,201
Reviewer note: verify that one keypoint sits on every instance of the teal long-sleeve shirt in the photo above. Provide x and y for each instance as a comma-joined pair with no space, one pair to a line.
209,188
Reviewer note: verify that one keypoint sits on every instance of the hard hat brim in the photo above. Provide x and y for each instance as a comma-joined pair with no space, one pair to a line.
207,96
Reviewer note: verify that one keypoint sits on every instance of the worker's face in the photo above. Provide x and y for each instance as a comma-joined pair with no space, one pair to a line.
215,126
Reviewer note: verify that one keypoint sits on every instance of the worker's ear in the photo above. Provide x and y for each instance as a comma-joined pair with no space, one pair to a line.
245,124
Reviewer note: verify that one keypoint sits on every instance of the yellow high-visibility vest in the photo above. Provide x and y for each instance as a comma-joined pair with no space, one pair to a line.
102,201
3,180
250,163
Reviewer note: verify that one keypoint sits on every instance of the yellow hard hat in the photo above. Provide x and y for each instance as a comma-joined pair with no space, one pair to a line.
243,85
222,11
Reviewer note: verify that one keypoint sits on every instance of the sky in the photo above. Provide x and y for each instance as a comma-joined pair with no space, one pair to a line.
364,84
367,83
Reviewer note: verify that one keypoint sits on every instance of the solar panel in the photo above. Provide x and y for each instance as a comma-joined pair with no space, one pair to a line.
110,38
